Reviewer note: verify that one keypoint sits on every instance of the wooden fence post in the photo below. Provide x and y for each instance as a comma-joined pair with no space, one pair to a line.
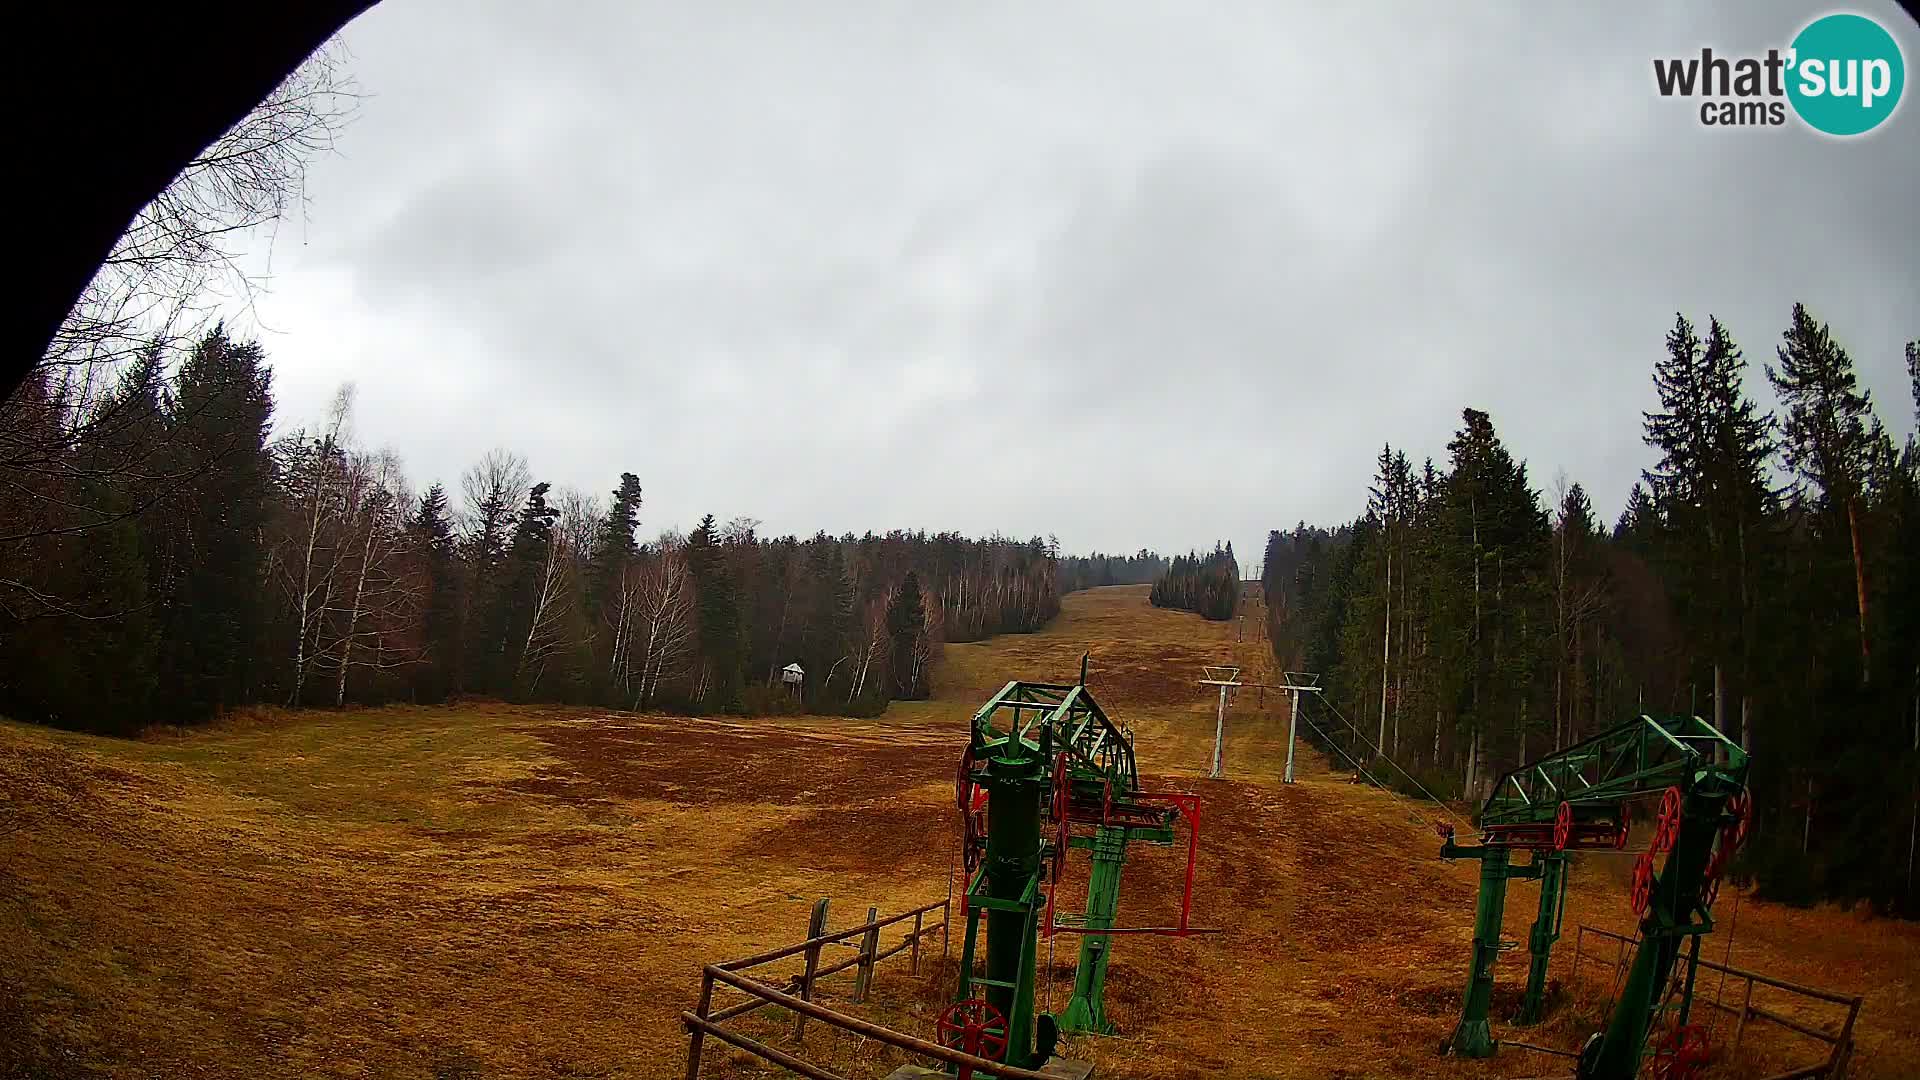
1746,1010
1843,1048
913,957
816,926
698,1036
869,949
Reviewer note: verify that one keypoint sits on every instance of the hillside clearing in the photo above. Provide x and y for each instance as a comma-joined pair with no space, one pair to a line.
485,890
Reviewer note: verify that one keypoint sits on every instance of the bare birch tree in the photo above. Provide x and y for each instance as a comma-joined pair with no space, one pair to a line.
308,554
382,601
665,622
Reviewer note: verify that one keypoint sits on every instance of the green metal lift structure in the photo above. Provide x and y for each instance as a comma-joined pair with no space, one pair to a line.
1578,799
1043,759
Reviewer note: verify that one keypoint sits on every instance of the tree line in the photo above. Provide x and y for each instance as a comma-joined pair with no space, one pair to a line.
167,556
1208,585
1761,576
1076,572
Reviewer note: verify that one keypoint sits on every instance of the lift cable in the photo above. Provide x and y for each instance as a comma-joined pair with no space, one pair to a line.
1733,926
1383,756
1412,807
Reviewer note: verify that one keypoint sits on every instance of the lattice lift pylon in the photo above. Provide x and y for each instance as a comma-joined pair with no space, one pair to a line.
1577,798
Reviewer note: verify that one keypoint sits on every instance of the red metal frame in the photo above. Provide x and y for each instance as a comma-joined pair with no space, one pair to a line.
1544,835
1186,806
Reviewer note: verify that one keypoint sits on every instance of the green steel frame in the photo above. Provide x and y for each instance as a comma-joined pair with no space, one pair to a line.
1007,890
1100,781
1594,780
1101,749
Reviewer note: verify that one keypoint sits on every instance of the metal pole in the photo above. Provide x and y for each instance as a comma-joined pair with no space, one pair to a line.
1293,726
1617,1055
1219,730
1473,1037
1546,930
1087,1010
1014,785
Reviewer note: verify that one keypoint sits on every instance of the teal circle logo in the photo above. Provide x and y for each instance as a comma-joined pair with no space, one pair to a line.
1846,73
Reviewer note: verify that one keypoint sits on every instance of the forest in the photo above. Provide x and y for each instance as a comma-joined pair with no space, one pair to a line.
1076,572
1208,585
1762,576
169,557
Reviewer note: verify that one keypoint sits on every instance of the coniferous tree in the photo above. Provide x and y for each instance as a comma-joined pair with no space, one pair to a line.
432,535
525,621
215,615
1828,440
906,623
1710,485
718,604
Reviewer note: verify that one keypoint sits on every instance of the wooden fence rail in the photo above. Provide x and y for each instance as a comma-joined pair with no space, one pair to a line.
796,993
1839,1043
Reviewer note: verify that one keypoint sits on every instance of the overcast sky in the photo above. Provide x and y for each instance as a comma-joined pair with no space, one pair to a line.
1135,275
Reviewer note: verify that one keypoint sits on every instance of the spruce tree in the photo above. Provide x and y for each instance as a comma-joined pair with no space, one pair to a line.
1829,434
431,532
718,604
222,406
1710,484
906,622
519,609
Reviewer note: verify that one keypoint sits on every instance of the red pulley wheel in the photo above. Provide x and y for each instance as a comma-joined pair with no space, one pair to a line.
1562,826
1734,835
972,1027
1681,1055
1666,827
1709,892
963,780
1642,895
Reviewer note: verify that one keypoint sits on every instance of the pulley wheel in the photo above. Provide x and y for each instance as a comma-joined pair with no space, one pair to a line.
1642,895
1666,828
972,1027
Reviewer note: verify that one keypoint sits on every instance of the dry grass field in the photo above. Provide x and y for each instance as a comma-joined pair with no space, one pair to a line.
484,891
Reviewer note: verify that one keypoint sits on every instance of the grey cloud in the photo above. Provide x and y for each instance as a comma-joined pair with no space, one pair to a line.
1136,275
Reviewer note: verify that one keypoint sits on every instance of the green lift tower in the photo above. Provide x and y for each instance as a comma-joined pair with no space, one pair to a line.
1044,759
1577,798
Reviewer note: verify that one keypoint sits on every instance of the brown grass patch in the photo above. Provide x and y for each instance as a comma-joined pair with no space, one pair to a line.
483,891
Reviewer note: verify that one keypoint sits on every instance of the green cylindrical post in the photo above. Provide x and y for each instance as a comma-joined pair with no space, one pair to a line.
1473,1038
1087,1011
1014,784
1546,931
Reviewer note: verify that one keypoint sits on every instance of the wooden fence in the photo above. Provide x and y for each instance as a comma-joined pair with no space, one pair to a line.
796,994
1839,1043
